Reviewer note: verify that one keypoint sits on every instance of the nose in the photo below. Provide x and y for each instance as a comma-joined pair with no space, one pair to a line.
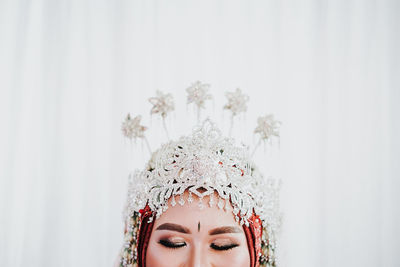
197,257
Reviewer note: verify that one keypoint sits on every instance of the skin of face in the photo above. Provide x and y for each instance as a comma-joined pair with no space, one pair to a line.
187,236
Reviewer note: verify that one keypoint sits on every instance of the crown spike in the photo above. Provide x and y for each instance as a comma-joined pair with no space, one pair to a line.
267,127
237,103
197,94
163,104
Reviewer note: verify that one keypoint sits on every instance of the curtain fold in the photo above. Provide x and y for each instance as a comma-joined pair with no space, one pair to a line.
70,71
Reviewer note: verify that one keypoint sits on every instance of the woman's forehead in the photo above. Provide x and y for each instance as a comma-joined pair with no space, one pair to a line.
191,215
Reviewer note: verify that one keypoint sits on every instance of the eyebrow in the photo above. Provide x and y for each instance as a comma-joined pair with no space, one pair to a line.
183,229
174,227
225,230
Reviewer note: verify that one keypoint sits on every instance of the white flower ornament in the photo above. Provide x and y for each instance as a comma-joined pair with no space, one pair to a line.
197,93
131,128
162,104
267,127
237,102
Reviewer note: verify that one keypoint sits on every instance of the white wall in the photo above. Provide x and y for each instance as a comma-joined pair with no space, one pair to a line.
71,70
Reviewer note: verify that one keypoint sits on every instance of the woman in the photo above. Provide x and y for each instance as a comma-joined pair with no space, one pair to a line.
200,202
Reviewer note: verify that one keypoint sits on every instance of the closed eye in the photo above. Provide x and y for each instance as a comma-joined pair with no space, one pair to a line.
224,247
167,243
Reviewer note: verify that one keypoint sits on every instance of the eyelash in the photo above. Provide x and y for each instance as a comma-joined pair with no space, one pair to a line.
169,244
226,247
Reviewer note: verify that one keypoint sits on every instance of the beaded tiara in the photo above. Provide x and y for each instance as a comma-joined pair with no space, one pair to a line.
202,163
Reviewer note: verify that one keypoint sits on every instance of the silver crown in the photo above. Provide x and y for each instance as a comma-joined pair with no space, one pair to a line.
203,163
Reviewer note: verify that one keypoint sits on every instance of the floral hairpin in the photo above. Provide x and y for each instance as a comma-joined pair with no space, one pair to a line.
197,93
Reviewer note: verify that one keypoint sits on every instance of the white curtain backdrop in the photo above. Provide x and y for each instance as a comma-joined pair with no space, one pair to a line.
70,71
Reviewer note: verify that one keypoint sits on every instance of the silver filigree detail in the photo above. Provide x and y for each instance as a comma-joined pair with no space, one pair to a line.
205,163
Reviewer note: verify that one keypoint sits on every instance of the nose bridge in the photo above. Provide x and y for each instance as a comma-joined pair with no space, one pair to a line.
195,256
198,257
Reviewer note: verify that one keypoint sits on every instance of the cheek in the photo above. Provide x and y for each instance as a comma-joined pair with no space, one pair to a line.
238,257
